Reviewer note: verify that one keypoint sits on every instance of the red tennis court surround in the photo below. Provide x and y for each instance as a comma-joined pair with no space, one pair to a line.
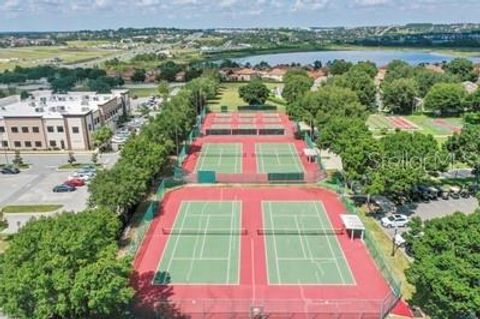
259,120
250,172
366,298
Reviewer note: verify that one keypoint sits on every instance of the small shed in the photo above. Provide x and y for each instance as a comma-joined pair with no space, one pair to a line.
352,224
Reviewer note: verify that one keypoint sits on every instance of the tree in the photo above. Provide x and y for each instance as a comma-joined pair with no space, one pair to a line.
426,78
338,67
71,158
163,89
102,136
399,95
254,93
99,86
168,71
368,67
360,82
445,270
398,69
444,98
465,146
24,95
66,267
138,75
317,65
472,101
295,86
17,160
463,68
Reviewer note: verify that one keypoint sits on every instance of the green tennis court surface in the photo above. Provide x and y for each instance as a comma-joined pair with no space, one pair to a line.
204,244
277,158
221,158
294,256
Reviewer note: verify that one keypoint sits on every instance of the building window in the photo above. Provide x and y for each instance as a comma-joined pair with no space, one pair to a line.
14,129
17,144
75,129
2,129
38,144
89,127
35,129
24,129
53,143
5,144
50,129
28,144
60,129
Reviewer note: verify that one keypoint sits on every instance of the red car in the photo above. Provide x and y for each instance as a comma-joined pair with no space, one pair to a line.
75,182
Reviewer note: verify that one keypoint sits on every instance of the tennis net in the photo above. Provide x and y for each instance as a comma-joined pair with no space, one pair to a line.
192,231
305,232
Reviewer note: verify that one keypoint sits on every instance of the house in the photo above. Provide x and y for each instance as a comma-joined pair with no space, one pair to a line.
180,76
244,75
275,74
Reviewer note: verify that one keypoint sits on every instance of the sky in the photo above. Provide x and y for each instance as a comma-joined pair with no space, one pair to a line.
65,15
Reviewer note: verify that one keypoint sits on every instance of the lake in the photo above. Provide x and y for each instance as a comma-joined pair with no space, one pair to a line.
379,57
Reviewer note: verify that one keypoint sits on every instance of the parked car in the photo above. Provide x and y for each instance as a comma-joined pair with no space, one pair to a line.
395,220
10,170
76,182
455,192
419,194
63,188
445,194
428,192
473,189
86,176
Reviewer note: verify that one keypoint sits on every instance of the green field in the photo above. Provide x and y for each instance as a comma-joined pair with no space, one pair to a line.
221,158
143,92
33,56
277,158
18,209
228,95
295,256
204,245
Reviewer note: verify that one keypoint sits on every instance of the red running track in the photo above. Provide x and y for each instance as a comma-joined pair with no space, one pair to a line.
221,301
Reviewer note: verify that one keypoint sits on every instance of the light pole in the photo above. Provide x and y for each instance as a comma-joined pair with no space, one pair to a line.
394,245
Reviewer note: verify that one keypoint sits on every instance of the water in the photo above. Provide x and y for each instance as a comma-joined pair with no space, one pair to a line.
379,57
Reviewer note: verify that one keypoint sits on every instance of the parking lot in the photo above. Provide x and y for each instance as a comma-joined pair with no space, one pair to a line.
436,209
34,185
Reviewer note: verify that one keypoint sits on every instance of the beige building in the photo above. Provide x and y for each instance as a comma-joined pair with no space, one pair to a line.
48,121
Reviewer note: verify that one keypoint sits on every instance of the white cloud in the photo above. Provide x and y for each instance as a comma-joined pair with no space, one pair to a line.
371,2
309,4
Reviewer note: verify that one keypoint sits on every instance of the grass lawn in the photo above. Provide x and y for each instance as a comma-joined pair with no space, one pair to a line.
143,92
399,263
32,56
21,166
228,95
76,166
18,209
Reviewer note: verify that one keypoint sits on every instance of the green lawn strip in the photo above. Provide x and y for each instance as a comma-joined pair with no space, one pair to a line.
18,209
228,95
76,166
143,92
399,263
21,166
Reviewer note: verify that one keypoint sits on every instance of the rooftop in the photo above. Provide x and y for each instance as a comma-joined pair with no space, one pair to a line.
47,104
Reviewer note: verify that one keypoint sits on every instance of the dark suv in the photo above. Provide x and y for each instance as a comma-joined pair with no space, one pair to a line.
10,170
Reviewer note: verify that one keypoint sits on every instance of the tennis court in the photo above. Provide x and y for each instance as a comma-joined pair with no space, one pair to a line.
277,158
203,245
302,246
221,157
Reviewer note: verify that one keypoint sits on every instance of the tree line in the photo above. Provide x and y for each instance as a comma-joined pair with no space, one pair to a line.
68,266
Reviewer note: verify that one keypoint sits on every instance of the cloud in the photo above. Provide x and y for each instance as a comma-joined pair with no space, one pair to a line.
368,3
309,4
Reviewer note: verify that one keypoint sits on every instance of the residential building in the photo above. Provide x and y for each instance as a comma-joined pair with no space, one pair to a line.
48,121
